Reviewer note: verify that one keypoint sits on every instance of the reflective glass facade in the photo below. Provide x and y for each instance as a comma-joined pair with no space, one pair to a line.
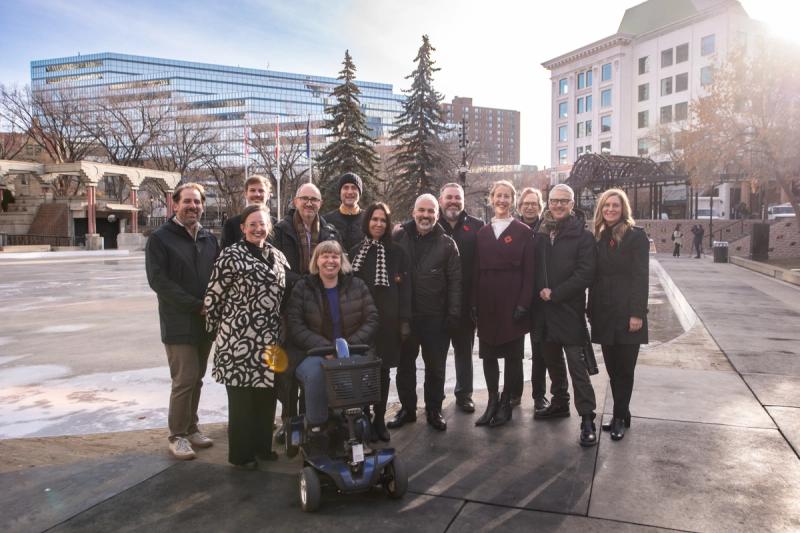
232,97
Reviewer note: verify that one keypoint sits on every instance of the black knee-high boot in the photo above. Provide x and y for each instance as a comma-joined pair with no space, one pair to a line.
379,430
491,371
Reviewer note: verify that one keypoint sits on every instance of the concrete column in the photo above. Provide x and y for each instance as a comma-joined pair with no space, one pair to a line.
169,202
134,214
91,207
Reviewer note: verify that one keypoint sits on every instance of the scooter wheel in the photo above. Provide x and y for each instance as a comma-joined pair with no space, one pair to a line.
310,490
396,483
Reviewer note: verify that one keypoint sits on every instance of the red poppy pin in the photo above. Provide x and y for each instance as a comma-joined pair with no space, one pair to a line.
466,228
612,243
398,278
508,239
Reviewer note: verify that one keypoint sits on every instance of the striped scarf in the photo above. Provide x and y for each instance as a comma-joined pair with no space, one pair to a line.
381,274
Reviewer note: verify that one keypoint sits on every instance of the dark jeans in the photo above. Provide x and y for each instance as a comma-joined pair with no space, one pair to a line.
676,250
698,248
429,335
187,366
620,360
251,413
463,342
581,383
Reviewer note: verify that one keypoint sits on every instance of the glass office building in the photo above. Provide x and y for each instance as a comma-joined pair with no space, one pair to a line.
233,99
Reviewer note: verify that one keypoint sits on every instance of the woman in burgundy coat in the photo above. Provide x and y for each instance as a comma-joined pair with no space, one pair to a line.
504,290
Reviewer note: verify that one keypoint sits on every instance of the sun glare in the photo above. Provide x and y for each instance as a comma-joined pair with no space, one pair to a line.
779,16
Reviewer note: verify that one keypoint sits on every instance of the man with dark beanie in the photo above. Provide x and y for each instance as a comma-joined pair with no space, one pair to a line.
347,219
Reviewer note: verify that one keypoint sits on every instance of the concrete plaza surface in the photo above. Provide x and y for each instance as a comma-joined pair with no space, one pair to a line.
712,447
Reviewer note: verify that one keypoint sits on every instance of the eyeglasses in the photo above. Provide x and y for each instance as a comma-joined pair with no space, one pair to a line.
530,204
309,199
559,201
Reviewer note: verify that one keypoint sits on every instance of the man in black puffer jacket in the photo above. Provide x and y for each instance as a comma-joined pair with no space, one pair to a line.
566,259
436,309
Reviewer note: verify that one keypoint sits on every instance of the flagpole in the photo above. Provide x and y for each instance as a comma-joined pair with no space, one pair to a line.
308,150
246,153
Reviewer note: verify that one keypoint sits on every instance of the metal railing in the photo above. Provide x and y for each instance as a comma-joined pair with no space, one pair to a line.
36,240
727,228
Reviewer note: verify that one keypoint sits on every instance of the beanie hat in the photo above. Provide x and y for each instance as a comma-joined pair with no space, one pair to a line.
353,178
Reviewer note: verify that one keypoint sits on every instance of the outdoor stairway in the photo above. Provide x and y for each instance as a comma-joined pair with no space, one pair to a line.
17,220
51,219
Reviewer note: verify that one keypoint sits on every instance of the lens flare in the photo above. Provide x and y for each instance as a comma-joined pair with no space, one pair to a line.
276,359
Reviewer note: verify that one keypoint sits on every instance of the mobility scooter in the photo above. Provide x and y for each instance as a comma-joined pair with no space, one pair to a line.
352,383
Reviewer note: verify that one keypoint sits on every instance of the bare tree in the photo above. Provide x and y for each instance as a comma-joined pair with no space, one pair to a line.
293,163
53,118
185,144
11,144
750,120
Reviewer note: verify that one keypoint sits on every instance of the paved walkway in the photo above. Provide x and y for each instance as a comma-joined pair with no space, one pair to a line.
710,449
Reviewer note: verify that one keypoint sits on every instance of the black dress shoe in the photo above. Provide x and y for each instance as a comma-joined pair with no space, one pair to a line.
540,404
403,416
466,404
515,401
607,425
552,411
436,419
588,431
617,429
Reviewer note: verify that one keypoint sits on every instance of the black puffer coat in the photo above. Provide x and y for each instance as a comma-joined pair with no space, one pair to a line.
348,227
393,302
435,276
620,288
567,267
178,270
308,319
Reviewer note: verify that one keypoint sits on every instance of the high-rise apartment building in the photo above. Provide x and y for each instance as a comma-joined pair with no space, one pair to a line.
627,93
493,133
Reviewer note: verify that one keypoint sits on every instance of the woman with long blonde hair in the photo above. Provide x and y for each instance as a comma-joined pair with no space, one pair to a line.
618,299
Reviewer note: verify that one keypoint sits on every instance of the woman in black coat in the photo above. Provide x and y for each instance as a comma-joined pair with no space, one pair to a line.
503,293
618,299
382,265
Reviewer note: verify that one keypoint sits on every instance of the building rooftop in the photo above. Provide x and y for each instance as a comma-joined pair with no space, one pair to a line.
655,14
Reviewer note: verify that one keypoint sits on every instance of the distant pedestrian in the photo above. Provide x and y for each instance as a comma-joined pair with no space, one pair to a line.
618,299
698,231
179,258
382,264
677,241
348,218
463,228
244,300
565,265
257,191
504,287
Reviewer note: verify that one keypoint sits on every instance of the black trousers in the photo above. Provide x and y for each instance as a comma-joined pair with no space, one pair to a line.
581,383
463,341
620,360
251,413
539,372
428,335
698,247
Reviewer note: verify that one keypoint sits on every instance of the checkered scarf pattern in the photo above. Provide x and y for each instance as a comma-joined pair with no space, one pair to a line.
381,274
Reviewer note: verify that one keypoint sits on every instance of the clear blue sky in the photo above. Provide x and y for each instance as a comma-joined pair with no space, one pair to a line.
490,51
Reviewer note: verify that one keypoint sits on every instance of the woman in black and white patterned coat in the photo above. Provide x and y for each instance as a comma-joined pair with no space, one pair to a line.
243,303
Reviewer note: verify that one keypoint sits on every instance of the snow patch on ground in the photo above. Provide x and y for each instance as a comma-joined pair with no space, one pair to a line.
64,328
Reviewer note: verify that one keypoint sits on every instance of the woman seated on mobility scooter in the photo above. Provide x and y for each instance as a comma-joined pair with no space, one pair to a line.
328,304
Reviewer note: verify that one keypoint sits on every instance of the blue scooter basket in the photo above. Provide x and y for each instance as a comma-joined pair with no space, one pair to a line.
352,382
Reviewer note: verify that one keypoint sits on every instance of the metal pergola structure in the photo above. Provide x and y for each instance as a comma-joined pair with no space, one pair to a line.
594,173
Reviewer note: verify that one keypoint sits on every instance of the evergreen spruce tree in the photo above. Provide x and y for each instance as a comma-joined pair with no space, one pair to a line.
418,128
352,147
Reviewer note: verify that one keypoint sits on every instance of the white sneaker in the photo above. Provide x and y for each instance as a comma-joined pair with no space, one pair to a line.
198,440
181,449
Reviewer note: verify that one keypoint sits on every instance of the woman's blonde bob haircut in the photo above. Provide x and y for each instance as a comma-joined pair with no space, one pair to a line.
626,221
507,184
329,247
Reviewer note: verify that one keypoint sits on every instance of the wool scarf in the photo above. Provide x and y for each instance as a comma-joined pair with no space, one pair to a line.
381,273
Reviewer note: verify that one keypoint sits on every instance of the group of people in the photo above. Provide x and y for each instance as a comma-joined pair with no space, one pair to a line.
698,231
418,287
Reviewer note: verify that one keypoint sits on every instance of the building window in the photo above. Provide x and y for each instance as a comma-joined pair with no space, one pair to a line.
642,149
562,110
644,65
706,76
605,98
588,103
588,149
665,143
579,106
682,53
707,45
681,82
588,127
605,147
644,119
562,134
605,123
562,86
581,80
562,156
578,152
666,114
588,78
605,73
682,111
666,58
580,130
644,92
666,86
